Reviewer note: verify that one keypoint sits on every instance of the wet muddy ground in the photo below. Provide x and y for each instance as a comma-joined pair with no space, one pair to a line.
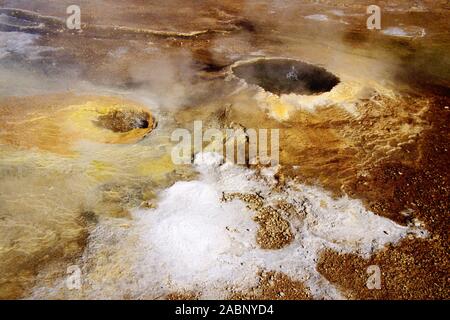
87,177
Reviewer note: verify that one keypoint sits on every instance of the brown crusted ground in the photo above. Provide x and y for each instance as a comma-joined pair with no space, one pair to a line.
271,286
414,269
182,296
422,186
274,286
274,231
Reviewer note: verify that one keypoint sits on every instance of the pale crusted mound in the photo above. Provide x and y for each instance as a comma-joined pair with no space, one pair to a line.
274,286
56,122
274,231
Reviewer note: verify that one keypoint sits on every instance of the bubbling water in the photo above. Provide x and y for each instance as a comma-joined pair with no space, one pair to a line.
285,76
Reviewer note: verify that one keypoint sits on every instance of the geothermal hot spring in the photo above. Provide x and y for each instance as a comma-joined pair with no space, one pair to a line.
92,205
